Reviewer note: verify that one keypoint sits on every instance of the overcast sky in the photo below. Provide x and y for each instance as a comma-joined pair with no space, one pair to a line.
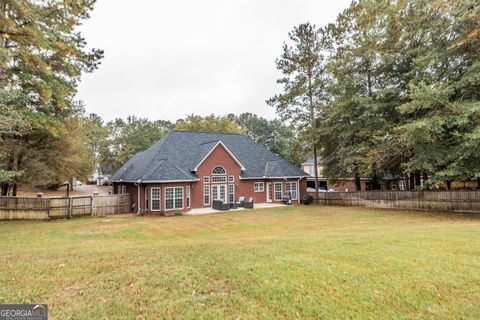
168,59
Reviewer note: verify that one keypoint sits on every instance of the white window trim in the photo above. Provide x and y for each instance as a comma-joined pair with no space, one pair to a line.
147,199
209,195
206,179
188,196
165,198
275,193
124,189
259,183
159,198
228,193
231,179
219,174
292,183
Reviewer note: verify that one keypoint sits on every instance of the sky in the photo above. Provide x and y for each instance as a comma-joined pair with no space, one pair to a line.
168,59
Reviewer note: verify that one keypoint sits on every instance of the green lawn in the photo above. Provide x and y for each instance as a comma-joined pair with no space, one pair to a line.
291,262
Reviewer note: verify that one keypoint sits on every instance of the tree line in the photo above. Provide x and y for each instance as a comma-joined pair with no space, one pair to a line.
390,89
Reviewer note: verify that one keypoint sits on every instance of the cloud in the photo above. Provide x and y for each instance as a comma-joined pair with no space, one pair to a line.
168,59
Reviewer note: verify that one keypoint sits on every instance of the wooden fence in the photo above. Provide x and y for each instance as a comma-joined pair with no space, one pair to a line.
13,208
458,201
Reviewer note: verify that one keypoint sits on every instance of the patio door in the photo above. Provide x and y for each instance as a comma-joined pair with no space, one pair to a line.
219,192
269,192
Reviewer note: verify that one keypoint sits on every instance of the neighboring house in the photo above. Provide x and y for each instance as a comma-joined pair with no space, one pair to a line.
389,182
97,177
337,184
186,170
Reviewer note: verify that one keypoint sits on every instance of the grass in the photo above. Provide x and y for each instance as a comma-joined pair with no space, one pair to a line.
291,262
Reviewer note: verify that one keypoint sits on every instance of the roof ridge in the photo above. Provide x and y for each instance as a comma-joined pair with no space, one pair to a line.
209,132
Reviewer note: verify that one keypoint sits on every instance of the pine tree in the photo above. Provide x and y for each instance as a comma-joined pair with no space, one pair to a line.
302,65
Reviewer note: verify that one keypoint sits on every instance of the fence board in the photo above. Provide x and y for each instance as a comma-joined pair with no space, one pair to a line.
458,201
13,208
112,204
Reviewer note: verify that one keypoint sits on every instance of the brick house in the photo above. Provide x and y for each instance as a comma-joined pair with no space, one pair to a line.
186,170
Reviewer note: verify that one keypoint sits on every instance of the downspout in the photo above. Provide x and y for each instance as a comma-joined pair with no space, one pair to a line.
138,195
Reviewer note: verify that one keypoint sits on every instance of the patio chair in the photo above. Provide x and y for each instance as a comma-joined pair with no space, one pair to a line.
240,202
233,205
249,204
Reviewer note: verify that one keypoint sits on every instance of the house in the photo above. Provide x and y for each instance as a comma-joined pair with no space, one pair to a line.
324,183
98,177
186,170
342,184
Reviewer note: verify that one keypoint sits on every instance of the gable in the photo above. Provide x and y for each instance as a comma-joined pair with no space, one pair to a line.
213,153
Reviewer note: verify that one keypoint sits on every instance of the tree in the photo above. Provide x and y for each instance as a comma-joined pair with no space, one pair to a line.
209,123
404,91
272,134
41,59
302,65
130,136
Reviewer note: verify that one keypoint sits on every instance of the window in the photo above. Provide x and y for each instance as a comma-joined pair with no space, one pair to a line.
258,187
292,188
222,193
119,190
155,199
174,198
188,197
146,198
219,179
206,179
277,188
231,193
231,179
394,185
206,195
124,189
214,192
219,170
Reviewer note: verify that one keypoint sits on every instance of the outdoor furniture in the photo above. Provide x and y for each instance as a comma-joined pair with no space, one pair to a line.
220,205
287,198
240,202
248,204
233,205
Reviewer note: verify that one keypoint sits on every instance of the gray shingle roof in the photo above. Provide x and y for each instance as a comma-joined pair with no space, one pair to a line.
175,156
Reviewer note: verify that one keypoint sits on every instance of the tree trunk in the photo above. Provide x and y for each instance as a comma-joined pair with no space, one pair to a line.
411,181
478,183
417,179
14,190
449,184
358,184
5,187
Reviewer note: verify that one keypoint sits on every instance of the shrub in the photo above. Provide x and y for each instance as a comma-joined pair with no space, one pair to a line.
307,199
178,213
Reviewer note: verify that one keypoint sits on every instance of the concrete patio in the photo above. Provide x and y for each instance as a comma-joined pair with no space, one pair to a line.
200,211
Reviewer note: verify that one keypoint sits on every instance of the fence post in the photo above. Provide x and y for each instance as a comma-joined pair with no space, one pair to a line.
48,207
91,205
70,207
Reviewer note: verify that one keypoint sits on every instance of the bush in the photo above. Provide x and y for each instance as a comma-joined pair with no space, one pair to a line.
307,199
178,213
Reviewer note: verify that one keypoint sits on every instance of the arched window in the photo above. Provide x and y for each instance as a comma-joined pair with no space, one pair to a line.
218,171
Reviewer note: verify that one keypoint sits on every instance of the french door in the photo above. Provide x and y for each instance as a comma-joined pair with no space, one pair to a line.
269,192
219,192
